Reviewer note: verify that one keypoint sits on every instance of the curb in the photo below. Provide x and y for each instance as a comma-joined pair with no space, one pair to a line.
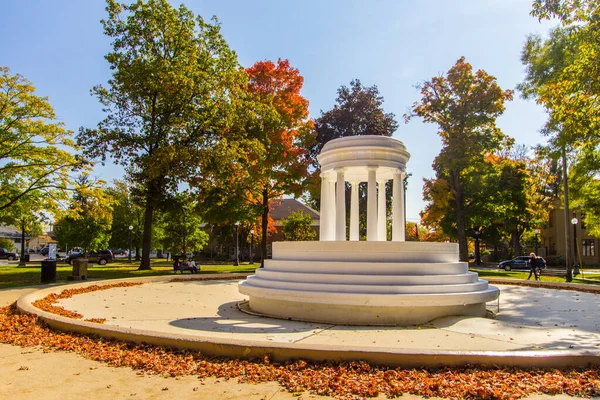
281,352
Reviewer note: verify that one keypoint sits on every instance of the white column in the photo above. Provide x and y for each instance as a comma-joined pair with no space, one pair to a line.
354,212
324,221
331,208
398,227
381,212
340,206
372,205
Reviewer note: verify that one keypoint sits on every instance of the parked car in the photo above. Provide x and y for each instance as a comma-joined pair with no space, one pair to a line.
120,252
101,257
8,254
521,262
187,256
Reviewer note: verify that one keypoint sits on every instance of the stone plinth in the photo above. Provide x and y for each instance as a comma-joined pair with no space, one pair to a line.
80,267
366,283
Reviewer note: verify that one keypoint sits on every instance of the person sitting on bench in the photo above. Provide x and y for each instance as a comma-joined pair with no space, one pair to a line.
193,267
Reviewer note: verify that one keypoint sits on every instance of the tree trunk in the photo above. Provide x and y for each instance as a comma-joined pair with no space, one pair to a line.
463,249
137,253
147,237
265,226
22,258
515,243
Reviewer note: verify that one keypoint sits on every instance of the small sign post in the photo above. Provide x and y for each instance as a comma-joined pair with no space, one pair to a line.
52,251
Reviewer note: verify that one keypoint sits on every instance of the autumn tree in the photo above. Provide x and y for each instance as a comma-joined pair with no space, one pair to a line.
36,160
298,227
172,90
267,157
465,106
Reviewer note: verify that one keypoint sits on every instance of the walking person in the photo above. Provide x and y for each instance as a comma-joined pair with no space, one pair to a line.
533,267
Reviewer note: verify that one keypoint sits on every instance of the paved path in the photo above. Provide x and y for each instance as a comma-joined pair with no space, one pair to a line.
529,318
531,325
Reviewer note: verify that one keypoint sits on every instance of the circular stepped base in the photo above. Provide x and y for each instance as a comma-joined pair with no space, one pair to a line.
366,283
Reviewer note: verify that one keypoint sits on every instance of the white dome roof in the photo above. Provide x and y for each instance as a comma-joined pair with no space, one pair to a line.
356,153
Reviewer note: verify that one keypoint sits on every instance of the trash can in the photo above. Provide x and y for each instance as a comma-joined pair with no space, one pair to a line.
48,271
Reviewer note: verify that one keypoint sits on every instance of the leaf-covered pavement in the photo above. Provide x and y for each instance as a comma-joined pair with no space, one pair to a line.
344,380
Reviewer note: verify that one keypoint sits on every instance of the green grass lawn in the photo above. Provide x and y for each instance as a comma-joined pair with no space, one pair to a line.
14,276
490,274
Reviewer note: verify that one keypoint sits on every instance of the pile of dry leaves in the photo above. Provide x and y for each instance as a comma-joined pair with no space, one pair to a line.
48,303
339,379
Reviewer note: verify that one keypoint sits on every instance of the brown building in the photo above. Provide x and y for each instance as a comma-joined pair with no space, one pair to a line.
552,240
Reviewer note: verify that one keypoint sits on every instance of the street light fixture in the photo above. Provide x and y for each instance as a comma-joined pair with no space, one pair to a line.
251,246
237,253
536,231
130,230
574,221
477,252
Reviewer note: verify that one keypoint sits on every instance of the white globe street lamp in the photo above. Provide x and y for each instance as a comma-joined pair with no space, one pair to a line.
130,230
237,253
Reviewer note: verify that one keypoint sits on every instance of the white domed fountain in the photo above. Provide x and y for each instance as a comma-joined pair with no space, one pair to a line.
372,282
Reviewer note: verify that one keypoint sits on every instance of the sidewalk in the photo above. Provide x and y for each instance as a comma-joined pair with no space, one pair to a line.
528,317
535,326
31,374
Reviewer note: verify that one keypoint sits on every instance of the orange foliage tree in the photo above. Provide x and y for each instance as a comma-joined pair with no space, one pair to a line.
266,156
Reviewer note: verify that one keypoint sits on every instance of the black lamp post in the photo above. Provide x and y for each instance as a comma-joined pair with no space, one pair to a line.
477,252
536,231
237,253
574,221
130,230
251,246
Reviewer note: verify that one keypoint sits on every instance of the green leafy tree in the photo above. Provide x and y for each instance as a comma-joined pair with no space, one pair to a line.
298,227
7,244
127,210
464,105
172,91
562,71
28,216
36,157
562,75
86,223
504,197
183,230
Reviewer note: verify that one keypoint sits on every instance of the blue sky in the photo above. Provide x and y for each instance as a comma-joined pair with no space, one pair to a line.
59,45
